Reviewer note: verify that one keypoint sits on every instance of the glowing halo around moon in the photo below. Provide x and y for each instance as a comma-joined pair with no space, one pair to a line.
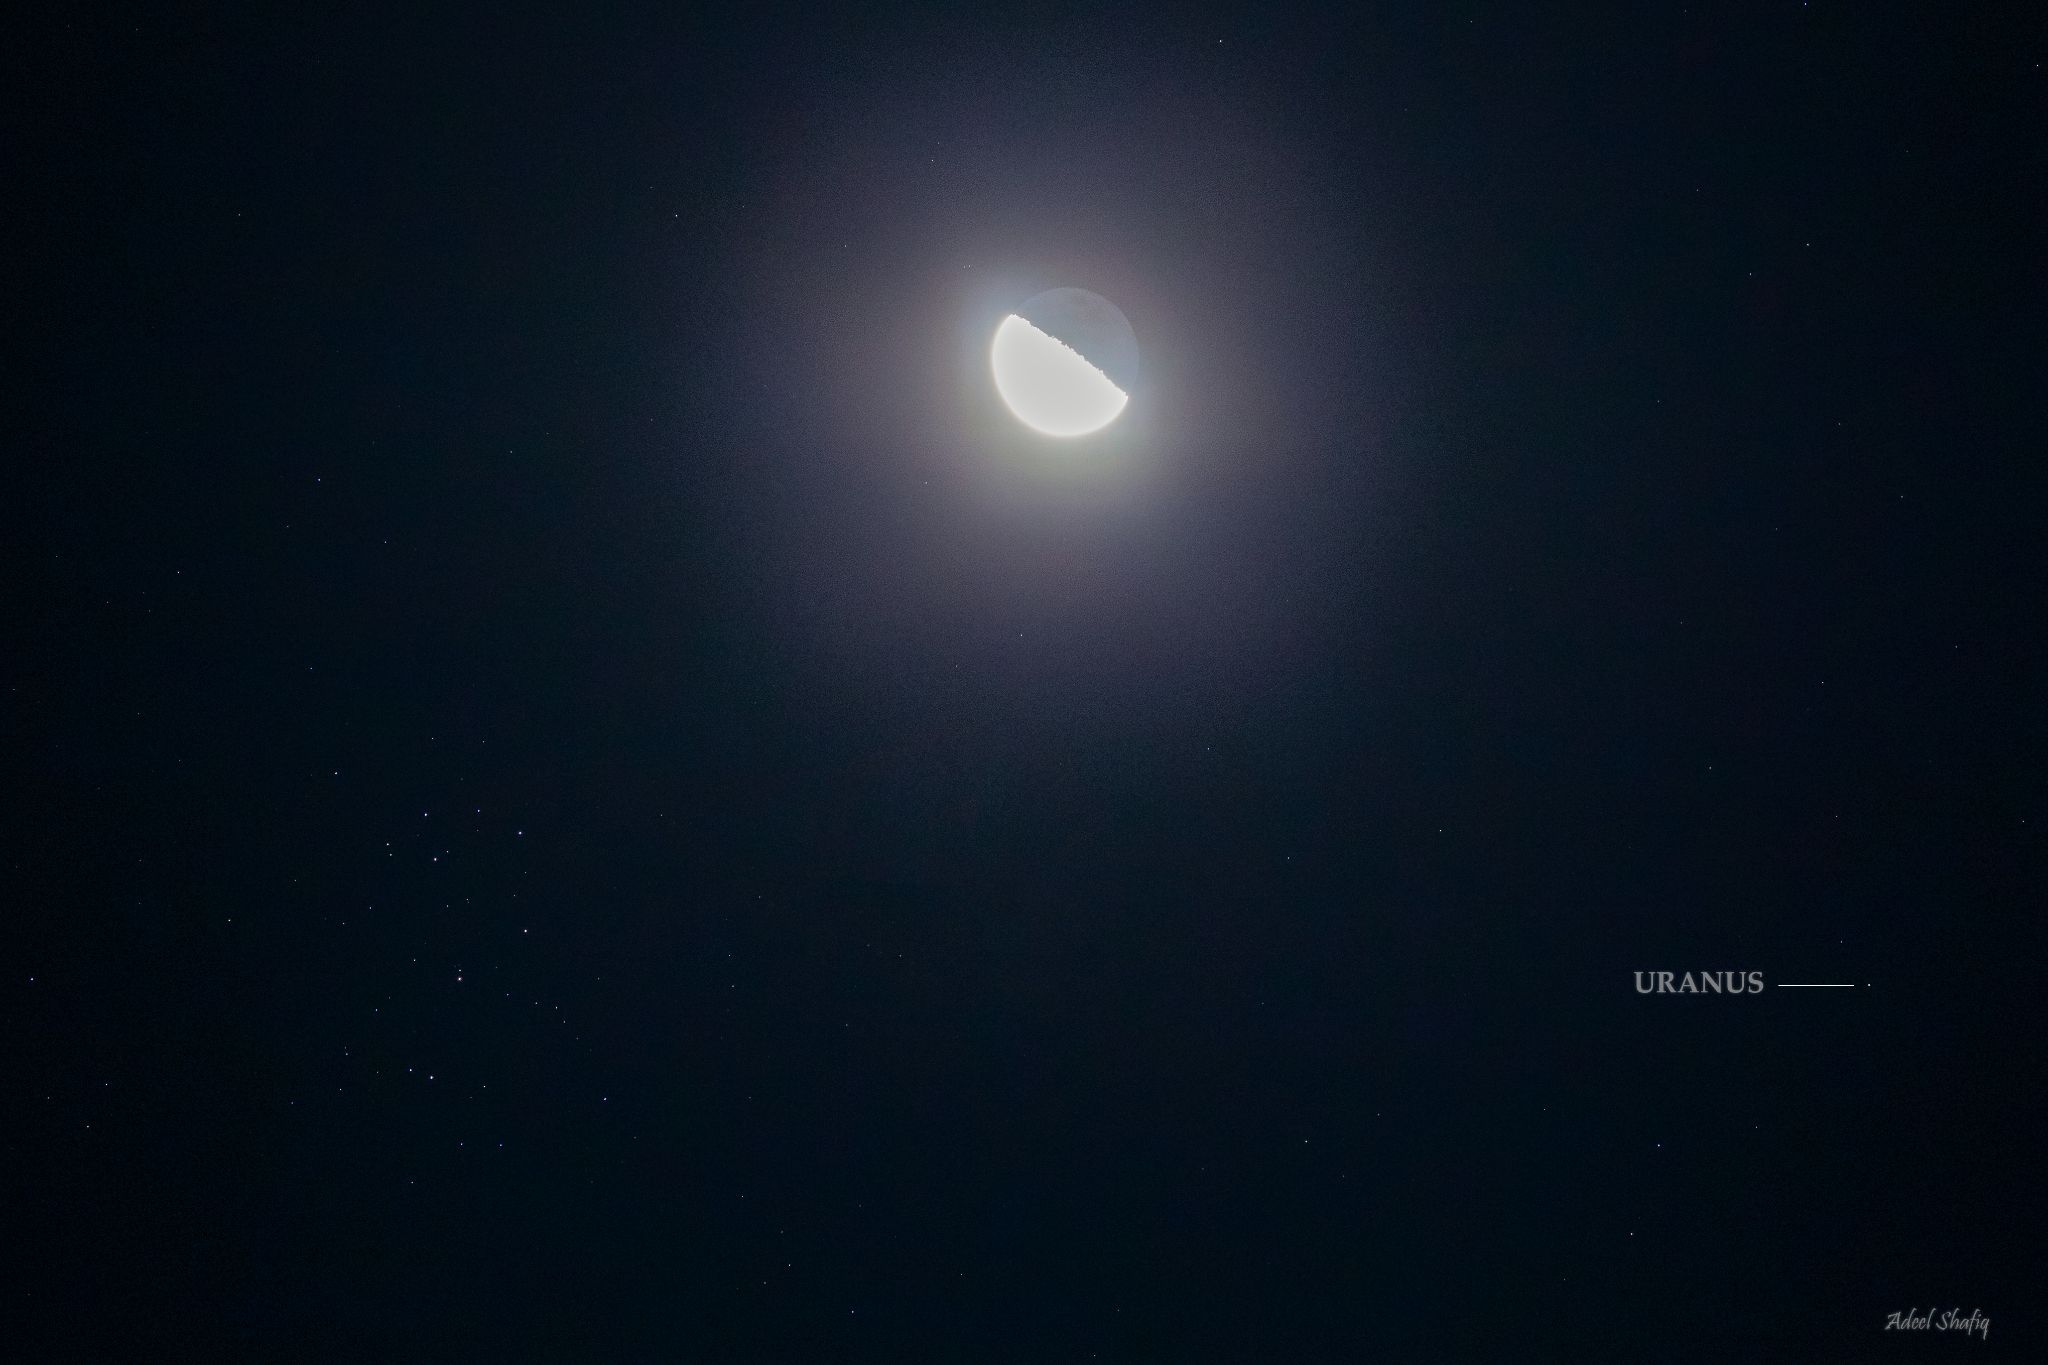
1048,385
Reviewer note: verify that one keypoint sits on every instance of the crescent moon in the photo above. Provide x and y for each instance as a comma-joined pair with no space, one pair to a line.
1048,385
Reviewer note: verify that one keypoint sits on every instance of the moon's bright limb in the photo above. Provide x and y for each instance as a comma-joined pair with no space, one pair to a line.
1048,385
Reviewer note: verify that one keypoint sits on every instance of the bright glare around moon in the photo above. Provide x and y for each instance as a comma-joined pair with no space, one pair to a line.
1048,385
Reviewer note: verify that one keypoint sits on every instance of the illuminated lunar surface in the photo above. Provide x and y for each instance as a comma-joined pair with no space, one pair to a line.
1047,384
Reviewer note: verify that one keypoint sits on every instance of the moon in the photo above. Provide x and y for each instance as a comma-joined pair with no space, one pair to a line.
1054,358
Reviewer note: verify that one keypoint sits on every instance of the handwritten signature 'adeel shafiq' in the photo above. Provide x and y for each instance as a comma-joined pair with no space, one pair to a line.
1950,1320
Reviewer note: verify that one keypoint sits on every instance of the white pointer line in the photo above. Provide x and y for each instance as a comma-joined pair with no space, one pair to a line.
1817,985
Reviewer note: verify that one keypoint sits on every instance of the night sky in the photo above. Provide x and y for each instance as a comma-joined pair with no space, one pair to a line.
584,791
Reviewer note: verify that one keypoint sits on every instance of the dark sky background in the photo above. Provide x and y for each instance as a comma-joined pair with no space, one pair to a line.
584,792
